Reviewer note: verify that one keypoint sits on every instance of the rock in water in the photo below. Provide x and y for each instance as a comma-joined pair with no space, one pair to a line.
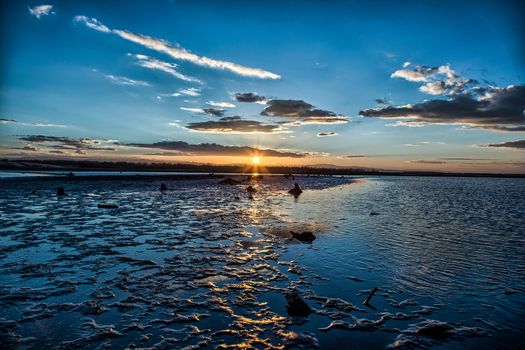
108,206
60,191
229,181
251,189
305,236
296,190
296,306
163,187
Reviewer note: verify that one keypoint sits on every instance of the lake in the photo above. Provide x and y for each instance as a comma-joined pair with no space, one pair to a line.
203,265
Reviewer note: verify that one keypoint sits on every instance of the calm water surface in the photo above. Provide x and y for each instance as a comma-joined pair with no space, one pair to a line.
203,266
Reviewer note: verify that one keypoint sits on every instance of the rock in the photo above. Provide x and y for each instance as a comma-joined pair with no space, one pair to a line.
296,306
305,236
296,190
163,187
251,189
229,181
70,174
61,192
108,206
374,213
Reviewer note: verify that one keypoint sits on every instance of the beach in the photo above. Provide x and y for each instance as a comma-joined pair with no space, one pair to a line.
208,265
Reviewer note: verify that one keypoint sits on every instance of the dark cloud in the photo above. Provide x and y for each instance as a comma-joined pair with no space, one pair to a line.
382,101
354,156
502,110
518,144
325,134
233,125
53,144
181,148
423,161
302,112
249,97
214,111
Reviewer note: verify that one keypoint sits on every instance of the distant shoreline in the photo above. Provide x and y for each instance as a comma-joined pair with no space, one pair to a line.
157,170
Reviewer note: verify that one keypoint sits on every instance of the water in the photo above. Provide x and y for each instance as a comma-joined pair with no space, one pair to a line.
203,265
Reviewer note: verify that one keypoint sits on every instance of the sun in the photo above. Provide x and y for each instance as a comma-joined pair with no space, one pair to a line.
256,160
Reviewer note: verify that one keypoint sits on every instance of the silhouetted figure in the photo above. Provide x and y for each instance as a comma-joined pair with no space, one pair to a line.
250,197
289,176
305,236
163,187
229,181
296,306
70,174
251,189
61,192
296,190
108,206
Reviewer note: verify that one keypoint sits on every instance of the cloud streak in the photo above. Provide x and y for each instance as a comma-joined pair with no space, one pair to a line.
177,52
170,68
181,148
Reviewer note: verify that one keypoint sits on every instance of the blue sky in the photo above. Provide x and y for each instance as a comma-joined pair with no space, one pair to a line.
107,80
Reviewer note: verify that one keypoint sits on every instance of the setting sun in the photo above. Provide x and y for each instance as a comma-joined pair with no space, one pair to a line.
256,160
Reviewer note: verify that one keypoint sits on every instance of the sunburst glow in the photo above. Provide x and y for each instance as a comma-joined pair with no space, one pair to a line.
256,160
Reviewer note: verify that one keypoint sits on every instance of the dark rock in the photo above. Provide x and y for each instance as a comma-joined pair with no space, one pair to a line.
305,236
229,181
251,189
296,306
163,187
61,192
70,174
108,206
296,190
374,213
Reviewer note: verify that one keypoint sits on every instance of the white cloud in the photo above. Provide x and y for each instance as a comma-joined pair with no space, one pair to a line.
194,110
433,88
179,53
120,80
221,104
40,10
92,23
170,68
188,92
406,64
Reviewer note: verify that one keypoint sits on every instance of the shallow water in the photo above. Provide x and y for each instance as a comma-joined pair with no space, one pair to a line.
201,265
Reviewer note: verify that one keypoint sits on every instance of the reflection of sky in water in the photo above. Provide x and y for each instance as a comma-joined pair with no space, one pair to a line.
203,264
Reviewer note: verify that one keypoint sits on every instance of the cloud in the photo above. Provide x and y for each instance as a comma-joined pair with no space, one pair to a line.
442,80
40,10
92,23
304,112
170,68
424,161
120,80
61,143
503,110
211,111
518,144
178,52
325,134
250,97
410,145
181,148
38,125
418,74
221,104
354,156
234,125
187,92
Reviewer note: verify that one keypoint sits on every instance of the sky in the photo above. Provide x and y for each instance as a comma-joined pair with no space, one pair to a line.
415,85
